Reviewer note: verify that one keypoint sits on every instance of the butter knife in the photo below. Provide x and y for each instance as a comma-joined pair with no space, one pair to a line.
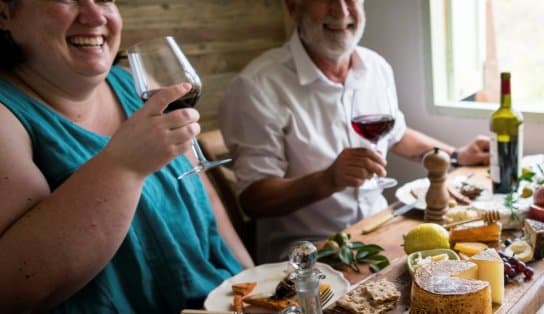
190,311
397,212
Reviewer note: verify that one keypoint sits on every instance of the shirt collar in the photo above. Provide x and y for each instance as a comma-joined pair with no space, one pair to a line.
308,72
306,69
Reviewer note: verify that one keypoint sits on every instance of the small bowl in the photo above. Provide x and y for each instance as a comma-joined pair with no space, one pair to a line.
411,259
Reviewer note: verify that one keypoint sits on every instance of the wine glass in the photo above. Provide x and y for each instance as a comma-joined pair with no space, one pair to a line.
372,119
159,63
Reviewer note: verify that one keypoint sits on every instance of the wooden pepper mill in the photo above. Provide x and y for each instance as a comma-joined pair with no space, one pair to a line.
437,163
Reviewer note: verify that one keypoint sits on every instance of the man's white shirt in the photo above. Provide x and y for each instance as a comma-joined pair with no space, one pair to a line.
283,117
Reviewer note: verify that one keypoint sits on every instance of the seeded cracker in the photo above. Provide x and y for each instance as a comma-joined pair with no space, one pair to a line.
382,291
370,298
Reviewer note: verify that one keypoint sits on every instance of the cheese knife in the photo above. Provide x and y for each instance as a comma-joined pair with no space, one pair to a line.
397,212
190,311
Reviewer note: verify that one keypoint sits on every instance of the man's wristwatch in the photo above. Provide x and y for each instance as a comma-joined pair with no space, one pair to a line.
453,159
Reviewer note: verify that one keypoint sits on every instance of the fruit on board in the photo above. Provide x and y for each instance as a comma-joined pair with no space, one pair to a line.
426,236
469,248
521,250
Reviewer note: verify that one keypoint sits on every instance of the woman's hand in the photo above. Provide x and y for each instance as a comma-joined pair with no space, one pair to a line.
149,139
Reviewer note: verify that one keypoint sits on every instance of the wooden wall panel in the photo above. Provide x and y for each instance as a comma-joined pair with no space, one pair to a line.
219,37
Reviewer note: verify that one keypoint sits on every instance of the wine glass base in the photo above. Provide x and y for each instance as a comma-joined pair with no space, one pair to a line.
203,166
379,183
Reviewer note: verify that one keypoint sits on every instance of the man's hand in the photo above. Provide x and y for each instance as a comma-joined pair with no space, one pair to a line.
353,166
475,153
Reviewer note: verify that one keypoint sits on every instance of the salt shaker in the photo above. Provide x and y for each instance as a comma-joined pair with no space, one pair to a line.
303,258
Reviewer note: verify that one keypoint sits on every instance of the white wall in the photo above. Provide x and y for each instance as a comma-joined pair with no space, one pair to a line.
396,29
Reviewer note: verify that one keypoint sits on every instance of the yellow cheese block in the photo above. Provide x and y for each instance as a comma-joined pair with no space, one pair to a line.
476,232
491,269
449,287
469,248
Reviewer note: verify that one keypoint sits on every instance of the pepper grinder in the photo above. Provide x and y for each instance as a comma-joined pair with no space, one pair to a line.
437,163
303,258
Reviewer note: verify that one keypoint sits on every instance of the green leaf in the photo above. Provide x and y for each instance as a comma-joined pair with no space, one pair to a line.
361,255
527,176
346,255
511,203
324,252
379,266
356,245
372,248
374,259
374,268
339,250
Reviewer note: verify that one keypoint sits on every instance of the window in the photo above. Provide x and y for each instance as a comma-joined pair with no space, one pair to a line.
472,41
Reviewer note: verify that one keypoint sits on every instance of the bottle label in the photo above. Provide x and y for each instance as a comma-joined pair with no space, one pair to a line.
505,160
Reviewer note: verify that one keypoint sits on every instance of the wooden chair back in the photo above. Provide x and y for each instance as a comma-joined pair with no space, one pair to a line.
224,180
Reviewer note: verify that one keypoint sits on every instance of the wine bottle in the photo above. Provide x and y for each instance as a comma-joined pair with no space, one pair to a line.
506,149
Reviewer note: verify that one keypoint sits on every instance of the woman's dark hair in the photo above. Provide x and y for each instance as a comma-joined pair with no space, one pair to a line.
11,54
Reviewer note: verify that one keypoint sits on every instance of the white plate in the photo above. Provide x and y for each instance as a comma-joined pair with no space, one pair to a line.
404,193
267,277
532,160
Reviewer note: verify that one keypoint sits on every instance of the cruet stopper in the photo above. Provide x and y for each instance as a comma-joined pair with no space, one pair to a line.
303,258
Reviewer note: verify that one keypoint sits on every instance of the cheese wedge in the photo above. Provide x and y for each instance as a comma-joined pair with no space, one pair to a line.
477,232
449,287
491,269
535,231
469,248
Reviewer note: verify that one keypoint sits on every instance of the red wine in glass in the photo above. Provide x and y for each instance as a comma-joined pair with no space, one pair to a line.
372,127
189,100
158,63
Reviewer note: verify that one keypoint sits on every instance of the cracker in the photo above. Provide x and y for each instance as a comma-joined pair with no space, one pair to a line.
370,298
382,291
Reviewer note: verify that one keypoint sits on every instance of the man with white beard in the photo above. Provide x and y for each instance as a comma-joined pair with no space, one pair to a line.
286,120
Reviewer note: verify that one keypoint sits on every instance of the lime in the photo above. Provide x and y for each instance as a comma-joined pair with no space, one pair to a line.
426,236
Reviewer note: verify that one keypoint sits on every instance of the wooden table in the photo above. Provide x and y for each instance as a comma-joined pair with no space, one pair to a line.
526,297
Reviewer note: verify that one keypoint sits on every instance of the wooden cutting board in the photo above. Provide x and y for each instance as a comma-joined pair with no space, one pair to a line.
523,297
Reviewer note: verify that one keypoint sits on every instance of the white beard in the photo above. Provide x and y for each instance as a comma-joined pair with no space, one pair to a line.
329,45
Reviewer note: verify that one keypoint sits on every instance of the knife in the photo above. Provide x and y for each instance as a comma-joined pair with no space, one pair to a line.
190,311
397,212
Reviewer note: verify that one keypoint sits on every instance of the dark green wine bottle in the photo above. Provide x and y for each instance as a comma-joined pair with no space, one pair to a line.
506,149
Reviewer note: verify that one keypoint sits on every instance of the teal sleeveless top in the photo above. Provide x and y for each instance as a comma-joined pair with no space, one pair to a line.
172,255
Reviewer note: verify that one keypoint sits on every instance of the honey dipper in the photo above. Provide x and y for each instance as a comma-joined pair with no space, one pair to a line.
487,216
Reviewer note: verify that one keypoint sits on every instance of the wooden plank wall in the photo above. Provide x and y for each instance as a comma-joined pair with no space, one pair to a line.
219,37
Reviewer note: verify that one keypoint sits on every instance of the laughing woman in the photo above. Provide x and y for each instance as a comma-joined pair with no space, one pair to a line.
92,218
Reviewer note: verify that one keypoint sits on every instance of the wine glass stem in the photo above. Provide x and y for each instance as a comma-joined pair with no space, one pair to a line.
198,152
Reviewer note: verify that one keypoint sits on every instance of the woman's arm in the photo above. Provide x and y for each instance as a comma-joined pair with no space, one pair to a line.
53,243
